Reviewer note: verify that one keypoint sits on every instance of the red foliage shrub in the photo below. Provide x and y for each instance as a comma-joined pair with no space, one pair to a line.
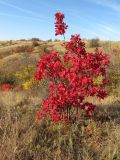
60,26
116,51
23,48
71,80
6,87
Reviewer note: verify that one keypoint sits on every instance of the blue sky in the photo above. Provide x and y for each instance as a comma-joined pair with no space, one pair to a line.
35,18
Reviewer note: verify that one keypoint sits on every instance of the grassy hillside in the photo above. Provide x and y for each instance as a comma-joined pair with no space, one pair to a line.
22,137
11,61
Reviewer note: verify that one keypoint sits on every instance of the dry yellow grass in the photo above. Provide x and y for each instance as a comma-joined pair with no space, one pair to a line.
24,138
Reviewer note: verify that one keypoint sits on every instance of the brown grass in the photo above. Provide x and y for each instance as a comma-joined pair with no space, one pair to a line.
24,138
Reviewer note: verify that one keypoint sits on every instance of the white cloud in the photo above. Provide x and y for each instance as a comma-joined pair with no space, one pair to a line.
107,28
25,17
112,4
22,9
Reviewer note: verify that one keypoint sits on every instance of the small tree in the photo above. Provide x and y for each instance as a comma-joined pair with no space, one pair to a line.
72,77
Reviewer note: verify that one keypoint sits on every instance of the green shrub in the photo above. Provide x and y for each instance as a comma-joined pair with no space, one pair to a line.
35,39
95,42
6,78
35,43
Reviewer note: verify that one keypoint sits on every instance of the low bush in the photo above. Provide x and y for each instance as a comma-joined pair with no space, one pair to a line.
95,42
72,77
22,49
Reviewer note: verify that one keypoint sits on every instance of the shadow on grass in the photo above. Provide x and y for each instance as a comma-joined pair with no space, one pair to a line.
108,113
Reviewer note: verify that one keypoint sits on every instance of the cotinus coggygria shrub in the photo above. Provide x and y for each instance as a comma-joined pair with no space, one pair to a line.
71,78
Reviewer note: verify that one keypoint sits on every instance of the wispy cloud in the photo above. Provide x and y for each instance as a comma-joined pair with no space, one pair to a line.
22,9
24,17
103,31
107,28
112,4
94,34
